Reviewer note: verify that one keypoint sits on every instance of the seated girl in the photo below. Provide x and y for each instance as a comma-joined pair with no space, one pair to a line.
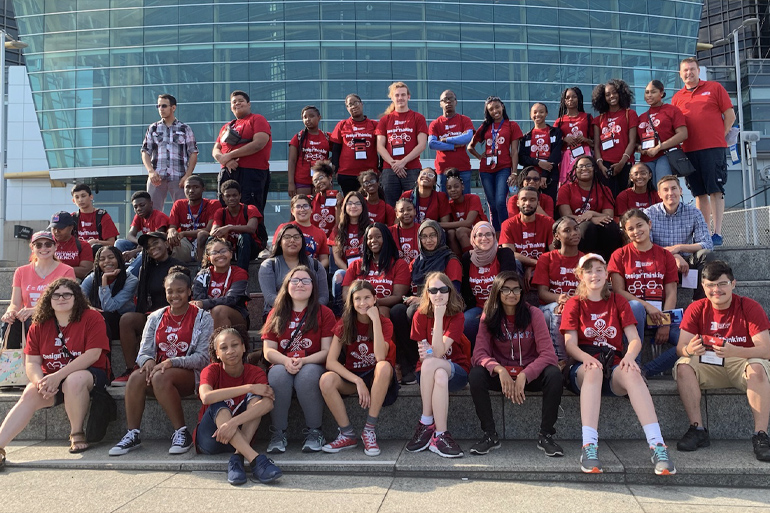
360,361
445,354
296,340
235,397
315,238
379,211
174,350
405,231
220,288
326,199
466,211
593,323
428,202
641,194
347,238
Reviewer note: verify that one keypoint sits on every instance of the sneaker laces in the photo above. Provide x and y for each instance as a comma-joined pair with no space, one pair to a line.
660,452
179,438
127,439
276,435
592,451
369,436
763,440
312,433
341,438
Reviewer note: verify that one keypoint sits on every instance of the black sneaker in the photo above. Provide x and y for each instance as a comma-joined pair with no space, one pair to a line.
421,438
761,444
547,444
129,442
181,441
693,439
409,378
486,444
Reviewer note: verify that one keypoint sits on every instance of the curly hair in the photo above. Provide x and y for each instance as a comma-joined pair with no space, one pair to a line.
238,330
625,95
455,303
43,309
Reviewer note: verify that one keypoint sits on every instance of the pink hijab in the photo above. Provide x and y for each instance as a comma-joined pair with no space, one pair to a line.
480,257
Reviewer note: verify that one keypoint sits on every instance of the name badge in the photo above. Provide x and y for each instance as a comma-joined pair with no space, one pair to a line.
296,354
577,151
648,142
607,144
331,202
360,148
710,357
398,150
491,160
353,259
657,304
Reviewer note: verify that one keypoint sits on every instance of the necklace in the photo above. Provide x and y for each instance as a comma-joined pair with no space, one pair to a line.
173,317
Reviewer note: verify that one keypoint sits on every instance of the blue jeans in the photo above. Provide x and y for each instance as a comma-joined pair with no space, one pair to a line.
124,245
457,380
464,175
496,190
660,168
665,361
472,320
553,321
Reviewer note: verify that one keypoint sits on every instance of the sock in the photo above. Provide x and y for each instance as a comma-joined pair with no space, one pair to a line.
652,432
437,433
371,423
700,428
348,431
427,420
590,435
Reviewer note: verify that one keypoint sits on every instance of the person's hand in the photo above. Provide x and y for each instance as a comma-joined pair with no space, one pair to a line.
130,254
364,399
675,249
292,189
399,167
562,299
411,300
725,351
146,369
656,316
49,384
231,164
589,362
263,390
225,432
155,178
559,309
682,265
603,169
582,218
158,369
198,303
110,274
661,335
422,349
221,231
374,313
616,168
569,140
439,311
695,346
24,314
653,151
174,238
298,363
602,220
506,383
512,179
9,316
518,388
528,272
91,242
290,367
544,164
183,180
628,364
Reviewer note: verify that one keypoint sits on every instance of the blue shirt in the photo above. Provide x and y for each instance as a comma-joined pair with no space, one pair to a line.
685,226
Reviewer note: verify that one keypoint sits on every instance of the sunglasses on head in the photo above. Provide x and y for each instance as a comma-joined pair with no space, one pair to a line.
439,290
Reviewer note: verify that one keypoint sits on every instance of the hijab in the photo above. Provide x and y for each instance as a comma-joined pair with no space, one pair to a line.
429,261
479,257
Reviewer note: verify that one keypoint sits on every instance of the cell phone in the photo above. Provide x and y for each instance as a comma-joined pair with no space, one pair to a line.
712,342
665,322
676,315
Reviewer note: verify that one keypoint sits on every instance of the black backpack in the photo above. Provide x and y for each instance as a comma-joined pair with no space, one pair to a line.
100,213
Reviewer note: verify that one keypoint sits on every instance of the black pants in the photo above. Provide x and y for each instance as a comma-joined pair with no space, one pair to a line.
348,183
406,348
696,261
255,185
617,183
549,382
601,239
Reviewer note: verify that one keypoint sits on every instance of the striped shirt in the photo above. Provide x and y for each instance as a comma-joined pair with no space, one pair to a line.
170,148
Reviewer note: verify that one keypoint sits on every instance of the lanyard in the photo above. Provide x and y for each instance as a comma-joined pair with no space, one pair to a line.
509,337
495,131
227,279
195,218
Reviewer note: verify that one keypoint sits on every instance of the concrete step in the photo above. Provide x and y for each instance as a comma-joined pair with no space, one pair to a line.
748,263
726,463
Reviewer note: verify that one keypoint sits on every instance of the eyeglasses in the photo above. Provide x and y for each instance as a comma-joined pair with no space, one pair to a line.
353,103
428,236
64,295
223,251
507,291
303,206
440,290
485,235
294,238
718,285
354,203
162,105
448,100
47,244
369,183
585,166
532,178
428,175
303,281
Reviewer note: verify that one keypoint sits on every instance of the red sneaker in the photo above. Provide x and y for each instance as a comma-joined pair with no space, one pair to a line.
122,380
340,443
371,448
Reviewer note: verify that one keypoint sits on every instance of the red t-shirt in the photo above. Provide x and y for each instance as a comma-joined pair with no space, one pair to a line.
598,323
315,239
497,142
481,278
359,355
359,145
310,342
579,200
381,212
407,242
614,128
454,271
352,249
158,221
220,283
32,285
628,199
401,130
575,126
743,319
173,337
247,127
187,219
222,217
545,201
383,283
315,147
452,127
540,143
460,350
433,207
529,239
68,253
557,272
470,203
645,272
214,375
702,108
87,228
666,119
88,333
325,211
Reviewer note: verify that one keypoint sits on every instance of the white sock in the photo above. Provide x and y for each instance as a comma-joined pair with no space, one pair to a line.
438,433
652,432
426,420
590,435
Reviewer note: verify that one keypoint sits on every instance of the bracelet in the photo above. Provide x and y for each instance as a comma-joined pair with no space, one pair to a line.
628,157
599,160
686,352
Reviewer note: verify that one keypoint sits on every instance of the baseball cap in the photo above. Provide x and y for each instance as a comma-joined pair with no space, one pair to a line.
42,235
62,219
145,238
591,256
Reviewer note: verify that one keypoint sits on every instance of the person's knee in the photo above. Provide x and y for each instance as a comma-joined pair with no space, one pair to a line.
77,383
383,370
756,375
592,375
478,377
441,378
329,382
220,313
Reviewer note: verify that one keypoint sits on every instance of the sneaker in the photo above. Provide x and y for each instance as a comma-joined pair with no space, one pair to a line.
663,464
264,470
421,438
547,444
278,442
444,445
340,443
181,441
122,380
693,439
236,473
589,459
314,440
409,378
717,240
761,444
369,437
128,443
486,444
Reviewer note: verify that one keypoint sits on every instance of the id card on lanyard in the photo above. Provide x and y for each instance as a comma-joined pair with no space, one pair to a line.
648,139
607,138
492,149
194,223
359,146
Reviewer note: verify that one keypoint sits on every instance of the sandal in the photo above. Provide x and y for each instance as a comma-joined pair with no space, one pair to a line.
2,458
78,442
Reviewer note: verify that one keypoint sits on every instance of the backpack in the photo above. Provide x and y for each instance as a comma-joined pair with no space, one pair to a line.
100,213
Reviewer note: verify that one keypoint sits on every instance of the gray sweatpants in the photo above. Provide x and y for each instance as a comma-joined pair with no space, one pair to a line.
305,382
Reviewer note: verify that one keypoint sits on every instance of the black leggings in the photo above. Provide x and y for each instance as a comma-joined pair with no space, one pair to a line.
348,183
406,348
602,239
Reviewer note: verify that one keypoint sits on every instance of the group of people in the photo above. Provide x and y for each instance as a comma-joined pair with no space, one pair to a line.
401,278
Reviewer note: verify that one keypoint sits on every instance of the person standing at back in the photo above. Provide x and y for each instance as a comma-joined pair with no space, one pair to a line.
448,135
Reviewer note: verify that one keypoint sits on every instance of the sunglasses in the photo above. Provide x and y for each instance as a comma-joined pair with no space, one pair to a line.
162,105
47,244
440,290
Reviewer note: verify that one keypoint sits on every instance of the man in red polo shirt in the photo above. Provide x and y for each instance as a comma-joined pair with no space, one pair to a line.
709,115
70,250
448,135
529,234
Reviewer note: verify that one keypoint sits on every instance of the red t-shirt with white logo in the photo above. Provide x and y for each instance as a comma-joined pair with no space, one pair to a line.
352,248
471,203
68,253
359,355
383,283
666,119
743,319
245,213
325,211
497,142
308,342
557,272
215,376
530,239
88,333
645,272
158,221
220,283
628,199
598,323
315,239
87,228
173,337
381,212
576,126
452,127
314,147
454,271
433,207
579,200
407,242
540,143
401,130
460,350
187,218
481,278
247,127
545,202
615,127
702,108
359,145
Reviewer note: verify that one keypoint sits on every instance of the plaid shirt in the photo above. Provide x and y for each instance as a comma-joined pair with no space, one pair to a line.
685,226
170,148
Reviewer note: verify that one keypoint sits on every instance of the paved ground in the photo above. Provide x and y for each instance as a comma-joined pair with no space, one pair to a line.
45,491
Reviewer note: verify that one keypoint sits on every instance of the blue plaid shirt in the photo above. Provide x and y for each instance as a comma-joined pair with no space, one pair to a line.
685,226
170,148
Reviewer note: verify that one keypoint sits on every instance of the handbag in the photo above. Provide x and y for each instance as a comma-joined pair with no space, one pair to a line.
677,159
12,370
103,411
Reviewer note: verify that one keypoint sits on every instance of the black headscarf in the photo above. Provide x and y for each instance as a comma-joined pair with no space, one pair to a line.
430,261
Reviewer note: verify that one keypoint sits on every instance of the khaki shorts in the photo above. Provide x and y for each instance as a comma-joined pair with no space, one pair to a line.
732,375
183,252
